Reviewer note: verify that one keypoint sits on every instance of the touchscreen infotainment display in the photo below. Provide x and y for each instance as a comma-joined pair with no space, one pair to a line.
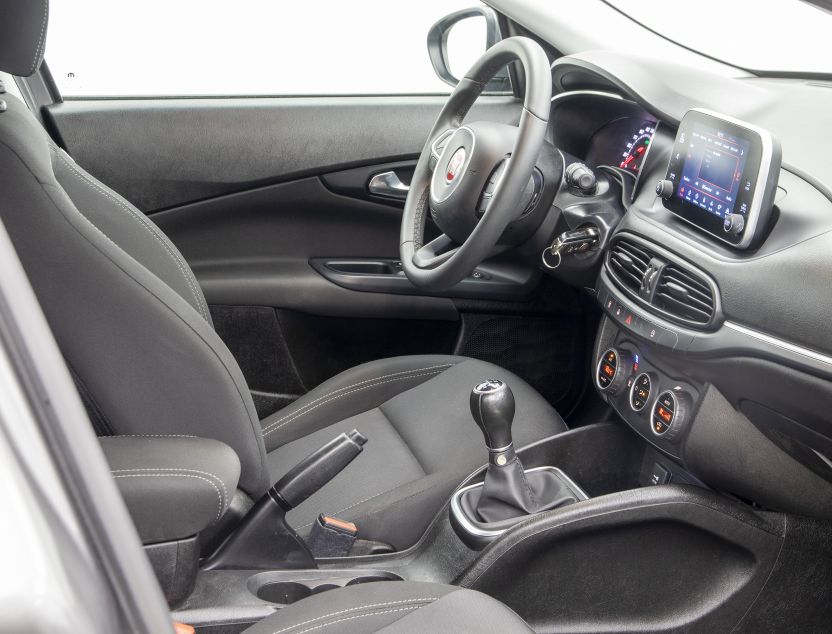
721,176
712,171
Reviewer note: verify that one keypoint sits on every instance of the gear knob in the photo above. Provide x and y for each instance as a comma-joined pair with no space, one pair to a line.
492,406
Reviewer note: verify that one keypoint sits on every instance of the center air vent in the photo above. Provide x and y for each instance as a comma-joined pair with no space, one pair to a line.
656,278
629,262
684,295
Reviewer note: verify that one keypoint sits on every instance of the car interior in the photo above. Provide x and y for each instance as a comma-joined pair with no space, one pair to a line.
548,353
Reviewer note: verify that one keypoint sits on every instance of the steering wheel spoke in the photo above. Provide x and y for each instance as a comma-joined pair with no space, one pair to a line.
435,252
437,146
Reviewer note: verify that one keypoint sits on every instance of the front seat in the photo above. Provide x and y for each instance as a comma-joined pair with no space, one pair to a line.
136,332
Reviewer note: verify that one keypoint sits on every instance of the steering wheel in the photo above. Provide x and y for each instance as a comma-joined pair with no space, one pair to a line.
482,164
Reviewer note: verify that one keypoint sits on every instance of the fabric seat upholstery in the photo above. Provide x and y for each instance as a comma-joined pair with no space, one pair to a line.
394,606
422,440
135,330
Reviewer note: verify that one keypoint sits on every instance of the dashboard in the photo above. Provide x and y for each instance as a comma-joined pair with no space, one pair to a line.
712,270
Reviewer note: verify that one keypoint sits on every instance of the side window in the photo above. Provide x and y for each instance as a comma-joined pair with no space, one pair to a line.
141,48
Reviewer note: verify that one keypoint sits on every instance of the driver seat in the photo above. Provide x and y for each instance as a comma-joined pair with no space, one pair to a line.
136,332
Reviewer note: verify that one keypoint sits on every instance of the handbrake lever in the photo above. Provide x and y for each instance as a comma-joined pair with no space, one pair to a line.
318,468
263,539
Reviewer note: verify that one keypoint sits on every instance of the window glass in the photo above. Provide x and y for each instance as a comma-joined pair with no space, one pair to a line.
249,47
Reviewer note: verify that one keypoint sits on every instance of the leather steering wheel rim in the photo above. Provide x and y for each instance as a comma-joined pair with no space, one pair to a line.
423,265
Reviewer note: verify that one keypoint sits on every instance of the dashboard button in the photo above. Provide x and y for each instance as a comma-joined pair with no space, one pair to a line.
659,475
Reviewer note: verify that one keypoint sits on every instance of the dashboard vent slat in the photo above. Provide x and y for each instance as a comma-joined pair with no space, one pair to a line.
628,263
684,295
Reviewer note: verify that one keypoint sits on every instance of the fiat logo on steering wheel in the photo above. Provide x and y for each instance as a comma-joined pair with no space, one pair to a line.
455,164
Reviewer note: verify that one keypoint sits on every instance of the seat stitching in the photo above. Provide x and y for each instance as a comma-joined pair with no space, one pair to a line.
39,47
138,216
207,473
179,475
335,398
149,436
370,383
351,618
46,189
355,609
346,387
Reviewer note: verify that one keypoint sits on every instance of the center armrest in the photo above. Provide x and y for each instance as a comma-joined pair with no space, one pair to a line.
174,486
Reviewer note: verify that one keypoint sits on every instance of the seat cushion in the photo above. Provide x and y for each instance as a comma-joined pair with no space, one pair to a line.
422,440
394,606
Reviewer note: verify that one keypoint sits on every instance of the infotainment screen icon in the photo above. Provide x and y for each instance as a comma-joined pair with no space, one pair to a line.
722,176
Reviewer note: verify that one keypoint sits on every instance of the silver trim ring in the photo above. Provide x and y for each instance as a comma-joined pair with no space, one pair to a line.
653,411
451,186
456,509
598,368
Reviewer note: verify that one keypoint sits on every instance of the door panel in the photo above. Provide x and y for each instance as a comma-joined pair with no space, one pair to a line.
159,153
252,190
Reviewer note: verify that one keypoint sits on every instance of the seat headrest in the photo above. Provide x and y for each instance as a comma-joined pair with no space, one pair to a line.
22,35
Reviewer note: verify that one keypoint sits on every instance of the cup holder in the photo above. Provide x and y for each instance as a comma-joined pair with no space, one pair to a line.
283,592
288,586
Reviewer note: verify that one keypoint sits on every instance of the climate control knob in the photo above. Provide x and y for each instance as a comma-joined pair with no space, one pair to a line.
670,413
640,391
612,370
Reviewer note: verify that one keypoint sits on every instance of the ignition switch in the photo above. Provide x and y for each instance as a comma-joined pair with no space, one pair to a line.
569,242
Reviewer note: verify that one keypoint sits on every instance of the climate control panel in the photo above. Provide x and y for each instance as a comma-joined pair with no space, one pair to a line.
650,400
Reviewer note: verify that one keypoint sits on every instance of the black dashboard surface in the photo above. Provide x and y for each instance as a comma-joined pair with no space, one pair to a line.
768,351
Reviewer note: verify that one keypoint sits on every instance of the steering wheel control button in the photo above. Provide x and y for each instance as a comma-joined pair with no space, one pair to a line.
664,189
640,392
611,373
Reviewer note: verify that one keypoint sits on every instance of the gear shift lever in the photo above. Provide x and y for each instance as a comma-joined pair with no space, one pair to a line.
507,492
492,406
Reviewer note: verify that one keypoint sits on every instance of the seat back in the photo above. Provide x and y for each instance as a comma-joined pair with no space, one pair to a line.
125,308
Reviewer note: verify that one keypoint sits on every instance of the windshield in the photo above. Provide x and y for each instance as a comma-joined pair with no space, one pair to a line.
770,36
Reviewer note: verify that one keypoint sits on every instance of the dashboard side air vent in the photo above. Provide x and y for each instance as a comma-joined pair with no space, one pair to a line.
684,295
628,262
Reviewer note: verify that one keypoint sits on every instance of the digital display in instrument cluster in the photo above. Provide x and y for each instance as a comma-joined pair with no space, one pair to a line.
636,147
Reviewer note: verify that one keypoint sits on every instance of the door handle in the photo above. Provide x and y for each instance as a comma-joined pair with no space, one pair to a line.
389,185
